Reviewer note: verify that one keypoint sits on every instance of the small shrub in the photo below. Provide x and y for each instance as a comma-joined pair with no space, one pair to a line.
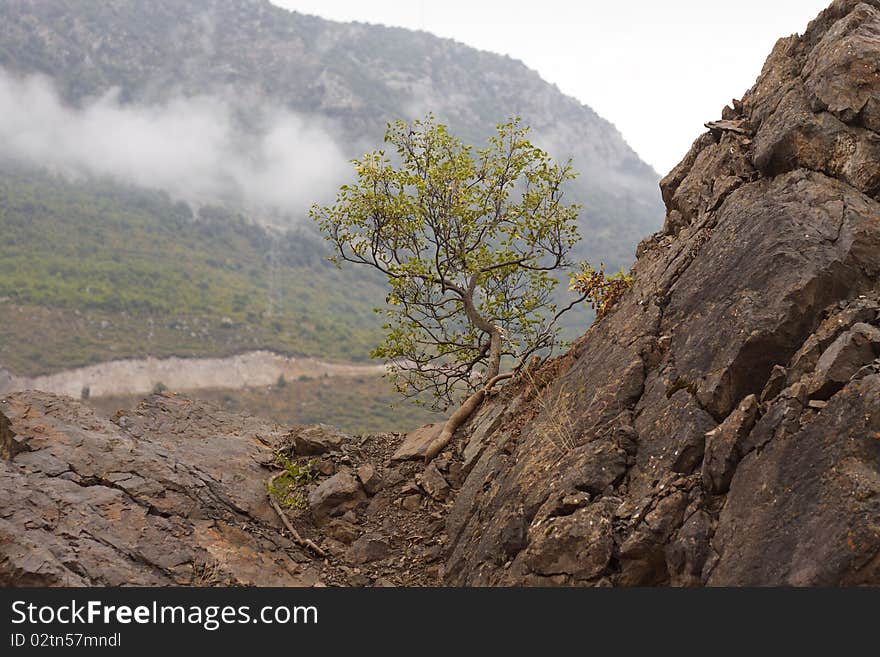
601,291
287,490
159,388
282,382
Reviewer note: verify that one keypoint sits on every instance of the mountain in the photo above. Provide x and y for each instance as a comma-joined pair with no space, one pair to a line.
719,426
288,98
357,76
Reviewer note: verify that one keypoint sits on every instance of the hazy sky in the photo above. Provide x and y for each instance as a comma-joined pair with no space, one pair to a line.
658,70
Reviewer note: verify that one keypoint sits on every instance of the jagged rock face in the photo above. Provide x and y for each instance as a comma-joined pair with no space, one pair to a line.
172,494
721,425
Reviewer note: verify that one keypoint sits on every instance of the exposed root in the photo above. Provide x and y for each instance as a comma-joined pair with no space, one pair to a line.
461,416
294,535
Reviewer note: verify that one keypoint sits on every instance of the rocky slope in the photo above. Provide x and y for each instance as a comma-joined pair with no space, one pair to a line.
720,426
175,493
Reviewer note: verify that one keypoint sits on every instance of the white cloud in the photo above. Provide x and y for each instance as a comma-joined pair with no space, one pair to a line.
192,147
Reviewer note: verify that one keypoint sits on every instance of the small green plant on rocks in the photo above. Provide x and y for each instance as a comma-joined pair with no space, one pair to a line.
287,488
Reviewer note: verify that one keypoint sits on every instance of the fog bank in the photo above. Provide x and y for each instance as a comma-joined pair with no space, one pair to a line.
195,148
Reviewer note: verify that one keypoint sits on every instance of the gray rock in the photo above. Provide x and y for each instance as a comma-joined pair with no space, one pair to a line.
412,502
335,496
416,443
775,384
341,530
316,439
687,554
369,547
643,560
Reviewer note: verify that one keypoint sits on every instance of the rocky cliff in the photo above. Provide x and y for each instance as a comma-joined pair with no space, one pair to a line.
720,426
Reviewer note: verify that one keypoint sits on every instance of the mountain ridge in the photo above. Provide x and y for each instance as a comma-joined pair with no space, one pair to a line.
356,76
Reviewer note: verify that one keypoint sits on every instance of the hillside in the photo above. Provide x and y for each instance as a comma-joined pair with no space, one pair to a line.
356,77
107,267
97,271
720,426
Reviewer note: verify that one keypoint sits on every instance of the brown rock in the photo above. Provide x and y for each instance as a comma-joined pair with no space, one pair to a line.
369,478
724,446
369,547
412,502
846,356
316,439
416,443
434,483
579,545
327,467
335,496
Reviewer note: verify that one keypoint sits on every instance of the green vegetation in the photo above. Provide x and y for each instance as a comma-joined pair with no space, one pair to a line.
287,489
468,241
95,271
602,292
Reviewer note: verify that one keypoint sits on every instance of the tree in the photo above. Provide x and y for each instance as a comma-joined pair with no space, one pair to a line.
469,242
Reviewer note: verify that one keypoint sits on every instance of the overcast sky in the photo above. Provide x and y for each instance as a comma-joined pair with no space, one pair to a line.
657,69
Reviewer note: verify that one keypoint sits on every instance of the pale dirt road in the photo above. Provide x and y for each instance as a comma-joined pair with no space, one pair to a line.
140,376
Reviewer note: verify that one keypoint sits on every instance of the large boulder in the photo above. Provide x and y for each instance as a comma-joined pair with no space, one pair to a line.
315,439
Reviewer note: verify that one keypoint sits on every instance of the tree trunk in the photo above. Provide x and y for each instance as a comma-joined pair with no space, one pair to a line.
461,416
480,322
492,376
494,354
